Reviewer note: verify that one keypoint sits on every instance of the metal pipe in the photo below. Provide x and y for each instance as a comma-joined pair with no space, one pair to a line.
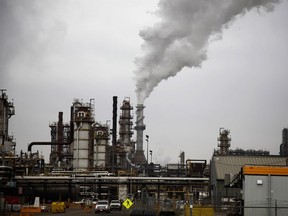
96,150
130,162
46,143
57,143
118,178
147,139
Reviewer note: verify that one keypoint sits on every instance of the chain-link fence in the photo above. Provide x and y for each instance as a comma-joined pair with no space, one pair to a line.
183,207
251,210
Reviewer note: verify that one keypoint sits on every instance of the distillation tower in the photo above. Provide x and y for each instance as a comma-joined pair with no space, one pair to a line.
224,141
101,136
83,145
61,156
7,146
126,147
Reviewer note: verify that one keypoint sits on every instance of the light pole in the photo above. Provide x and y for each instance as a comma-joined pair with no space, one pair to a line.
151,155
147,140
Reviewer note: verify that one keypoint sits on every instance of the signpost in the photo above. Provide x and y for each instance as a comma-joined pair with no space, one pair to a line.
127,203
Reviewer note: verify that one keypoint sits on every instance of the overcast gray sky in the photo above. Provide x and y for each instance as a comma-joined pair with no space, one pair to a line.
197,66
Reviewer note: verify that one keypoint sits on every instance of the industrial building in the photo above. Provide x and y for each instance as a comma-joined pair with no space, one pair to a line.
93,159
227,190
84,144
265,190
225,168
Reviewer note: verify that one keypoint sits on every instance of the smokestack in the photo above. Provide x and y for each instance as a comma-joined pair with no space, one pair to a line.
140,127
60,132
114,129
114,132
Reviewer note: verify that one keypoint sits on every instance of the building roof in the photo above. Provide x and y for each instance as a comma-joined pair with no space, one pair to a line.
222,165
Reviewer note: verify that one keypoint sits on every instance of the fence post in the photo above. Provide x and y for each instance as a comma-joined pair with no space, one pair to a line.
275,207
191,204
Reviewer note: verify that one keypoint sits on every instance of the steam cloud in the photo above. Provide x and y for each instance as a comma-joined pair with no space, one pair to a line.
181,38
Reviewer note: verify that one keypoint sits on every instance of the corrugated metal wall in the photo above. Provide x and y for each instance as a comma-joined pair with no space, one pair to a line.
265,195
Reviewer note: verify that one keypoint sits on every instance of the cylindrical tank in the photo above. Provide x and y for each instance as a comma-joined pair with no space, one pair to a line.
81,146
100,152
101,137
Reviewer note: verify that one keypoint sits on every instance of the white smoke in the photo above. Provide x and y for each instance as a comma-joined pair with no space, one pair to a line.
181,38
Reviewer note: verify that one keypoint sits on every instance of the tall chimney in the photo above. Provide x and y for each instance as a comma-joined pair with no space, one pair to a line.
114,132
60,133
140,127
114,129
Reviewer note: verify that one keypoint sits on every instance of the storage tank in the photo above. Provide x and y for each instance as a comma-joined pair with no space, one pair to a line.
81,146
83,137
101,138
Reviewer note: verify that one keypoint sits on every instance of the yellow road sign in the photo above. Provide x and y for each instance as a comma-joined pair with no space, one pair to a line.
127,203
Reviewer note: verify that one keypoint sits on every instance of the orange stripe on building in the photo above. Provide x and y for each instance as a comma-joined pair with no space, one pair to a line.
264,170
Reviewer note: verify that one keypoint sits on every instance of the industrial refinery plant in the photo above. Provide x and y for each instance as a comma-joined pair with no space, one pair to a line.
89,159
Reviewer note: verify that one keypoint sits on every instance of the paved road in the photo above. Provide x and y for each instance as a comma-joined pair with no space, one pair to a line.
77,211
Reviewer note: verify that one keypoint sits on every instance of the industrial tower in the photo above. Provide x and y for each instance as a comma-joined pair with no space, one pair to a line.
224,141
140,127
284,144
7,109
126,148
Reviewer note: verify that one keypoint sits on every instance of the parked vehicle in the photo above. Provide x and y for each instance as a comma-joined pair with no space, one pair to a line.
82,201
102,206
115,205
44,208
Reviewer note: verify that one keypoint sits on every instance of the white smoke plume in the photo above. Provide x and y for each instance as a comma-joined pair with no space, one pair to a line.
181,37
